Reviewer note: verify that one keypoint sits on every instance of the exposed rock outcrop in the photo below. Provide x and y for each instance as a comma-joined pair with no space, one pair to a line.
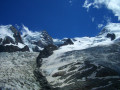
111,36
16,35
68,42
11,41
12,48
46,52
36,41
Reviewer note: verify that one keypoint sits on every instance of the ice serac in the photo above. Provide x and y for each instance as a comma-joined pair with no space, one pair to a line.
10,40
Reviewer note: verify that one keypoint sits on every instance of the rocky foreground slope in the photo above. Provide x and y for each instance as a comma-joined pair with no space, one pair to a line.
17,71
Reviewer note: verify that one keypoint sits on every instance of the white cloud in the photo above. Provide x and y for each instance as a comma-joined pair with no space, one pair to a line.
87,4
100,25
113,5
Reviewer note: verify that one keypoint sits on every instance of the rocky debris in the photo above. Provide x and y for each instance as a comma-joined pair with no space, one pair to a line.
88,76
17,71
42,80
111,36
61,73
67,42
12,48
46,52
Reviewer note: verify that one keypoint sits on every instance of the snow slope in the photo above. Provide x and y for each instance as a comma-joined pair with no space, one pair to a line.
58,59
5,31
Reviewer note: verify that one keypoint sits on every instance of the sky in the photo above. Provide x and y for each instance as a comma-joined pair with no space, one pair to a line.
61,18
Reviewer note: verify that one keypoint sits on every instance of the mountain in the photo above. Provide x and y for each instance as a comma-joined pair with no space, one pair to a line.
36,41
80,63
91,63
12,40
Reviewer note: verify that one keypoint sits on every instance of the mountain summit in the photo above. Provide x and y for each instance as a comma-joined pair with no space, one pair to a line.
11,39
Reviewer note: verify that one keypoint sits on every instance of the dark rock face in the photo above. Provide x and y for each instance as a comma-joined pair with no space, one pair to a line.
36,49
111,36
12,48
41,40
26,48
47,38
8,40
16,35
4,43
66,42
61,73
42,80
46,52
38,43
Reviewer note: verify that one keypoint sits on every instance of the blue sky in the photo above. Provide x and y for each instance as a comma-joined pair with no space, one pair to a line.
60,18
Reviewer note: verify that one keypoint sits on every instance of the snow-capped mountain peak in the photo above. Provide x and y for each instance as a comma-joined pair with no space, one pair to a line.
5,31
36,40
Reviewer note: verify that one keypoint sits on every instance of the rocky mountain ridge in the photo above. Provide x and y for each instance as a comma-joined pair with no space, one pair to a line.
12,40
